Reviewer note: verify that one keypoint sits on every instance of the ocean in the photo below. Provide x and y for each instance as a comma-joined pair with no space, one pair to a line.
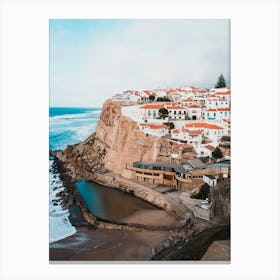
71,125
67,126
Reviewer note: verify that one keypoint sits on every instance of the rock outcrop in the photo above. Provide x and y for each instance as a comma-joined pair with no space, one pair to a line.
116,144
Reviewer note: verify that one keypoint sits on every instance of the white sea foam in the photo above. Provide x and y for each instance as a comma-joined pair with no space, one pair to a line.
96,112
59,224
65,130
87,115
83,132
80,239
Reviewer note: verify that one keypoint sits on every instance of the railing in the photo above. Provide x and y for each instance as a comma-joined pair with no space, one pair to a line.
150,176
184,180
143,170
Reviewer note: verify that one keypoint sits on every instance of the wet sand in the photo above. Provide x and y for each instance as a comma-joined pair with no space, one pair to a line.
150,217
89,244
106,245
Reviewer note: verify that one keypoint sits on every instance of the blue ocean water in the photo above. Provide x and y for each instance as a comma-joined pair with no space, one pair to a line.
67,126
71,125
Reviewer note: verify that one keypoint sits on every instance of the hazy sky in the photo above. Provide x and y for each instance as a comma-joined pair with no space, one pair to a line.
90,60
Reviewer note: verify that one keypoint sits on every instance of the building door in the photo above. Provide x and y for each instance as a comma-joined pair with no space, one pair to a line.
194,118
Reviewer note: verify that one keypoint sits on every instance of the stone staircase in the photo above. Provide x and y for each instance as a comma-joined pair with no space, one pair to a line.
218,207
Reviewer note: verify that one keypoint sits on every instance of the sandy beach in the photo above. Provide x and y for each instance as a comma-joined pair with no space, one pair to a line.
89,244
106,245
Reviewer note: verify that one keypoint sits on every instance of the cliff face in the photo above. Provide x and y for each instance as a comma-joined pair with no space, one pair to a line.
117,143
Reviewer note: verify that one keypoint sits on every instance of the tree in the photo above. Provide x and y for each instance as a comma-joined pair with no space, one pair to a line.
151,97
217,153
163,113
165,99
170,125
221,83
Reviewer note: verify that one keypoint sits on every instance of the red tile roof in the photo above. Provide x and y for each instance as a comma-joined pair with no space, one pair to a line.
184,146
152,106
192,132
175,107
227,121
218,109
194,106
149,92
209,147
153,126
175,131
188,156
203,125
222,93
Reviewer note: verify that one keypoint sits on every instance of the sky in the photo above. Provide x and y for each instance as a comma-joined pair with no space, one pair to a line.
91,60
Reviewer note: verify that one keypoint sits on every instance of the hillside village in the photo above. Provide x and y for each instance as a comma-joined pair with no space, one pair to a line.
198,120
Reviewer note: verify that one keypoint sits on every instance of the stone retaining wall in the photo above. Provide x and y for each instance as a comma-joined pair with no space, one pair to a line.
100,223
143,192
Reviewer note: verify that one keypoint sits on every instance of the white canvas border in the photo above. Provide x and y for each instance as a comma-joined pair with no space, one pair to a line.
24,138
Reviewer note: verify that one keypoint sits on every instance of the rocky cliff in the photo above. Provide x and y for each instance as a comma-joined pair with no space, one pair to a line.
116,144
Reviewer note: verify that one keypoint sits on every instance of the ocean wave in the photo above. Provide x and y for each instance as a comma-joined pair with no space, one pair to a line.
72,116
59,224
85,115
63,135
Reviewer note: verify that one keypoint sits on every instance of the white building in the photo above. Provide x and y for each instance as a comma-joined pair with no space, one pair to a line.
151,111
187,102
176,112
210,180
215,90
128,95
201,95
193,137
205,150
214,103
160,92
221,93
145,95
227,125
119,97
216,114
194,112
158,130
211,131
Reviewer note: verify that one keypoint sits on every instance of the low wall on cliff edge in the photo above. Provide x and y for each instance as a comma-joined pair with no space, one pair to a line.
145,193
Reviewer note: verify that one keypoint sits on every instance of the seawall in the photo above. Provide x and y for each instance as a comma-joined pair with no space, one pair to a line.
139,191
